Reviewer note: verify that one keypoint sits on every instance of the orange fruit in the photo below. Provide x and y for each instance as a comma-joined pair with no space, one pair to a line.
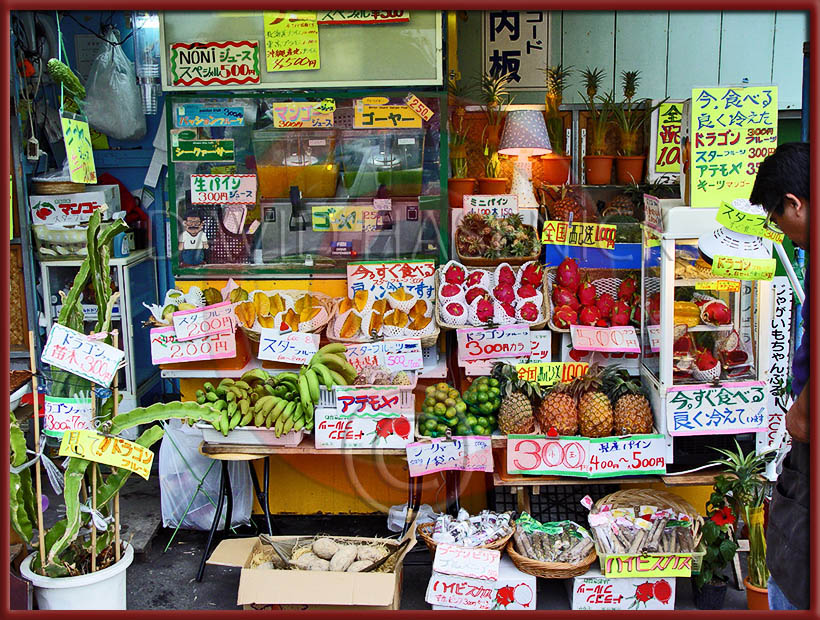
380,305
376,322
345,305
360,300
351,326
419,309
396,318
307,314
401,295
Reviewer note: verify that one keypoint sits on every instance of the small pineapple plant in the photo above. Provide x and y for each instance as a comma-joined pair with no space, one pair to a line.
632,413
631,114
491,237
558,410
556,79
515,415
599,116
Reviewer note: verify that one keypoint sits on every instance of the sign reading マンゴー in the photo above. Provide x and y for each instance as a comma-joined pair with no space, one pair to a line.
214,63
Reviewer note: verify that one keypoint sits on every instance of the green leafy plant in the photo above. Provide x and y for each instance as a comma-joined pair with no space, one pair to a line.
718,535
458,93
599,108
492,164
495,95
631,114
556,79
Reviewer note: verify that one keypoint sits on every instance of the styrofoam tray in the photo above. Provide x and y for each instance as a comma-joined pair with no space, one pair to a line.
18,395
250,436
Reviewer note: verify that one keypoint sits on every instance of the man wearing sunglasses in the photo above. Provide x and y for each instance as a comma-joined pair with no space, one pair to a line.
782,189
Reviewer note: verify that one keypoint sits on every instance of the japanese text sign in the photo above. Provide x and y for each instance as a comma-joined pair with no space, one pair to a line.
384,116
733,129
291,41
497,205
515,42
79,152
580,234
66,414
730,408
457,454
372,417
730,286
220,63
299,114
166,349
394,355
667,151
113,451
327,218
513,590
746,223
779,399
585,457
477,563
82,355
382,278
205,321
210,115
651,565
374,400
418,106
653,332
541,350
230,189
550,373
288,348
67,208
744,268
652,216
362,17
611,339
592,591
187,145
480,343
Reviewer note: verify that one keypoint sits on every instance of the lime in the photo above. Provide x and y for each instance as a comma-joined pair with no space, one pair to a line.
483,421
495,391
440,408
482,397
430,425
471,420
442,387
430,401
480,430
449,402
493,382
441,396
493,420
462,429
482,387
482,380
450,413
441,428
469,396
452,422
461,407
430,389
485,409
485,431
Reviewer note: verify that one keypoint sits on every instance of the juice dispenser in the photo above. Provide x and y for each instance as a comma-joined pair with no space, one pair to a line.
305,158
392,158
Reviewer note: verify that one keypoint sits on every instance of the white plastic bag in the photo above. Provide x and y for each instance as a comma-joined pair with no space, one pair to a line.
398,513
181,467
113,104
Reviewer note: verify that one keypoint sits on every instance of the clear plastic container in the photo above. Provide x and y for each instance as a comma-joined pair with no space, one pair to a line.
286,157
390,157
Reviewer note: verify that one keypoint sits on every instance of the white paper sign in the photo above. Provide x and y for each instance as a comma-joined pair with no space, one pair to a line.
459,454
478,343
593,591
654,333
730,408
166,349
541,352
497,205
66,414
80,355
395,355
223,189
371,417
612,339
467,562
206,321
652,216
516,42
288,348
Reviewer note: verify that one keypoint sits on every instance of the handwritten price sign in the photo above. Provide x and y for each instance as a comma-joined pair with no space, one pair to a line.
66,414
395,355
744,268
467,562
166,349
624,456
299,114
479,343
371,417
113,451
460,454
418,106
80,355
581,234
550,373
221,63
206,321
654,333
746,223
289,348
652,216
617,339
730,286
497,205
231,189
538,455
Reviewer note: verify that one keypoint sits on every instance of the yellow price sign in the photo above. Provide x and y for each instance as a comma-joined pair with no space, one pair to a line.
652,565
550,373
581,234
368,116
419,106
79,151
744,268
291,41
113,451
745,223
730,286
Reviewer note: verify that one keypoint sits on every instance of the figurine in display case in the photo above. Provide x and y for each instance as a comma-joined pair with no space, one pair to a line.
193,242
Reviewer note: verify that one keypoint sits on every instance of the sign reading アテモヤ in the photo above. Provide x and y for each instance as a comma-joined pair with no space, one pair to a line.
291,41
733,129
220,63
730,408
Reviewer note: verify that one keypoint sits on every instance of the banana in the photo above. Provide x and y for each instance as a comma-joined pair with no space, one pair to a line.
229,396
211,397
313,384
278,409
270,389
221,405
234,421
331,347
232,407
304,391
216,425
201,400
298,425
223,423
286,376
242,385
339,364
244,406
253,398
208,387
246,418
323,372
265,404
258,418
227,381
257,374
238,392
337,378
221,391
288,425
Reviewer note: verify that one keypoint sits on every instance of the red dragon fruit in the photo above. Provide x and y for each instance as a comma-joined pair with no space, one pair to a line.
705,360
568,275
533,274
529,312
563,297
605,303
474,292
577,355
590,315
620,314
682,345
484,310
602,322
454,274
564,316
653,306
455,308
474,279
450,290
506,275
716,313
508,308
587,293
504,293
627,288
526,291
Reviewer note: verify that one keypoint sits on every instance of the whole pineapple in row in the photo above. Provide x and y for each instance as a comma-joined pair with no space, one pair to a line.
515,415
559,410
595,416
632,413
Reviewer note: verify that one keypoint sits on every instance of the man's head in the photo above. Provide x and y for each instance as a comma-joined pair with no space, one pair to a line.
193,222
782,189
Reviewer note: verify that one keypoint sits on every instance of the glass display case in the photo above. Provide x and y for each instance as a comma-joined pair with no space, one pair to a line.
269,186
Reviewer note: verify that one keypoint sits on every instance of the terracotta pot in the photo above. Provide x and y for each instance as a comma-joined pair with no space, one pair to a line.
598,169
756,598
555,169
629,169
456,188
487,185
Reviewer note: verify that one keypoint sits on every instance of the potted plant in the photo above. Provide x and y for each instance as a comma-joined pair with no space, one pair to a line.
459,183
709,585
631,116
61,565
555,166
495,96
492,182
597,163
748,491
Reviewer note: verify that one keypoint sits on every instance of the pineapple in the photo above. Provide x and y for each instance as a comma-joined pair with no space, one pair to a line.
595,417
632,413
515,416
558,410
592,81
629,81
567,207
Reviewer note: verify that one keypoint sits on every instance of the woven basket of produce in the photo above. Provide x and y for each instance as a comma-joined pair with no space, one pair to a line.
550,570
506,239
425,532
555,550
351,324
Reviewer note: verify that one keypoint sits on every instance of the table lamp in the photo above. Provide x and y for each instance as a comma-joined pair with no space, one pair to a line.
525,135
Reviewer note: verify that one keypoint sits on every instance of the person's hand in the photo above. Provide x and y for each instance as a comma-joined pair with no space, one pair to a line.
797,418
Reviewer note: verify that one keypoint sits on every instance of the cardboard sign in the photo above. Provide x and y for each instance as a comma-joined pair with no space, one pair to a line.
733,130
418,106
460,454
369,116
291,41
515,42
550,373
79,152
81,355
113,451
205,321
513,590
481,343
329,18
219,62
746,223
610,339
66,414
652,216
208,115
581,234
223,189
289,348
730,408
369,417
651,565
380,278
593,591
166,349
744,268
667,151
394,355
497,205
461,561
70,209
299,114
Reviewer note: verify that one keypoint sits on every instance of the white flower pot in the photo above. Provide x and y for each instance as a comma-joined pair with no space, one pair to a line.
104,589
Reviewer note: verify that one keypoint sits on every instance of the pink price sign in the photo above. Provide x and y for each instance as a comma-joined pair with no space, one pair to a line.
206,321
480,343
457,454
610,339
166,349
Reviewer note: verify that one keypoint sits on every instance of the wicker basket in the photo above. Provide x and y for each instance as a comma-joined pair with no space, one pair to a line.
425,532
333,336
327,302
538,325
56,187
480,261
549,570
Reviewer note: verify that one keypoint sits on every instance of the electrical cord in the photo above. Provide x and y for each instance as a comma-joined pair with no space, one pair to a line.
96,34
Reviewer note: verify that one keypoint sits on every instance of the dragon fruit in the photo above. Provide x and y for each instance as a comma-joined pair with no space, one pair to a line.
455,308
563,297
508,308
504,293
505,275
705,360
454,274
654,309
526,291
716,313
564,316
533,274
529,312
627,288
474,279
568,275
590,315
474,292
605,303
450,290
587,293
484,310
620,314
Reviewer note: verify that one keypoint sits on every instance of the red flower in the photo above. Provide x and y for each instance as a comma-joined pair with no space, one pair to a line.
724,517
644,592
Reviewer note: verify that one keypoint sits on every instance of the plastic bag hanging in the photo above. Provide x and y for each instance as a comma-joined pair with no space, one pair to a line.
113,103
